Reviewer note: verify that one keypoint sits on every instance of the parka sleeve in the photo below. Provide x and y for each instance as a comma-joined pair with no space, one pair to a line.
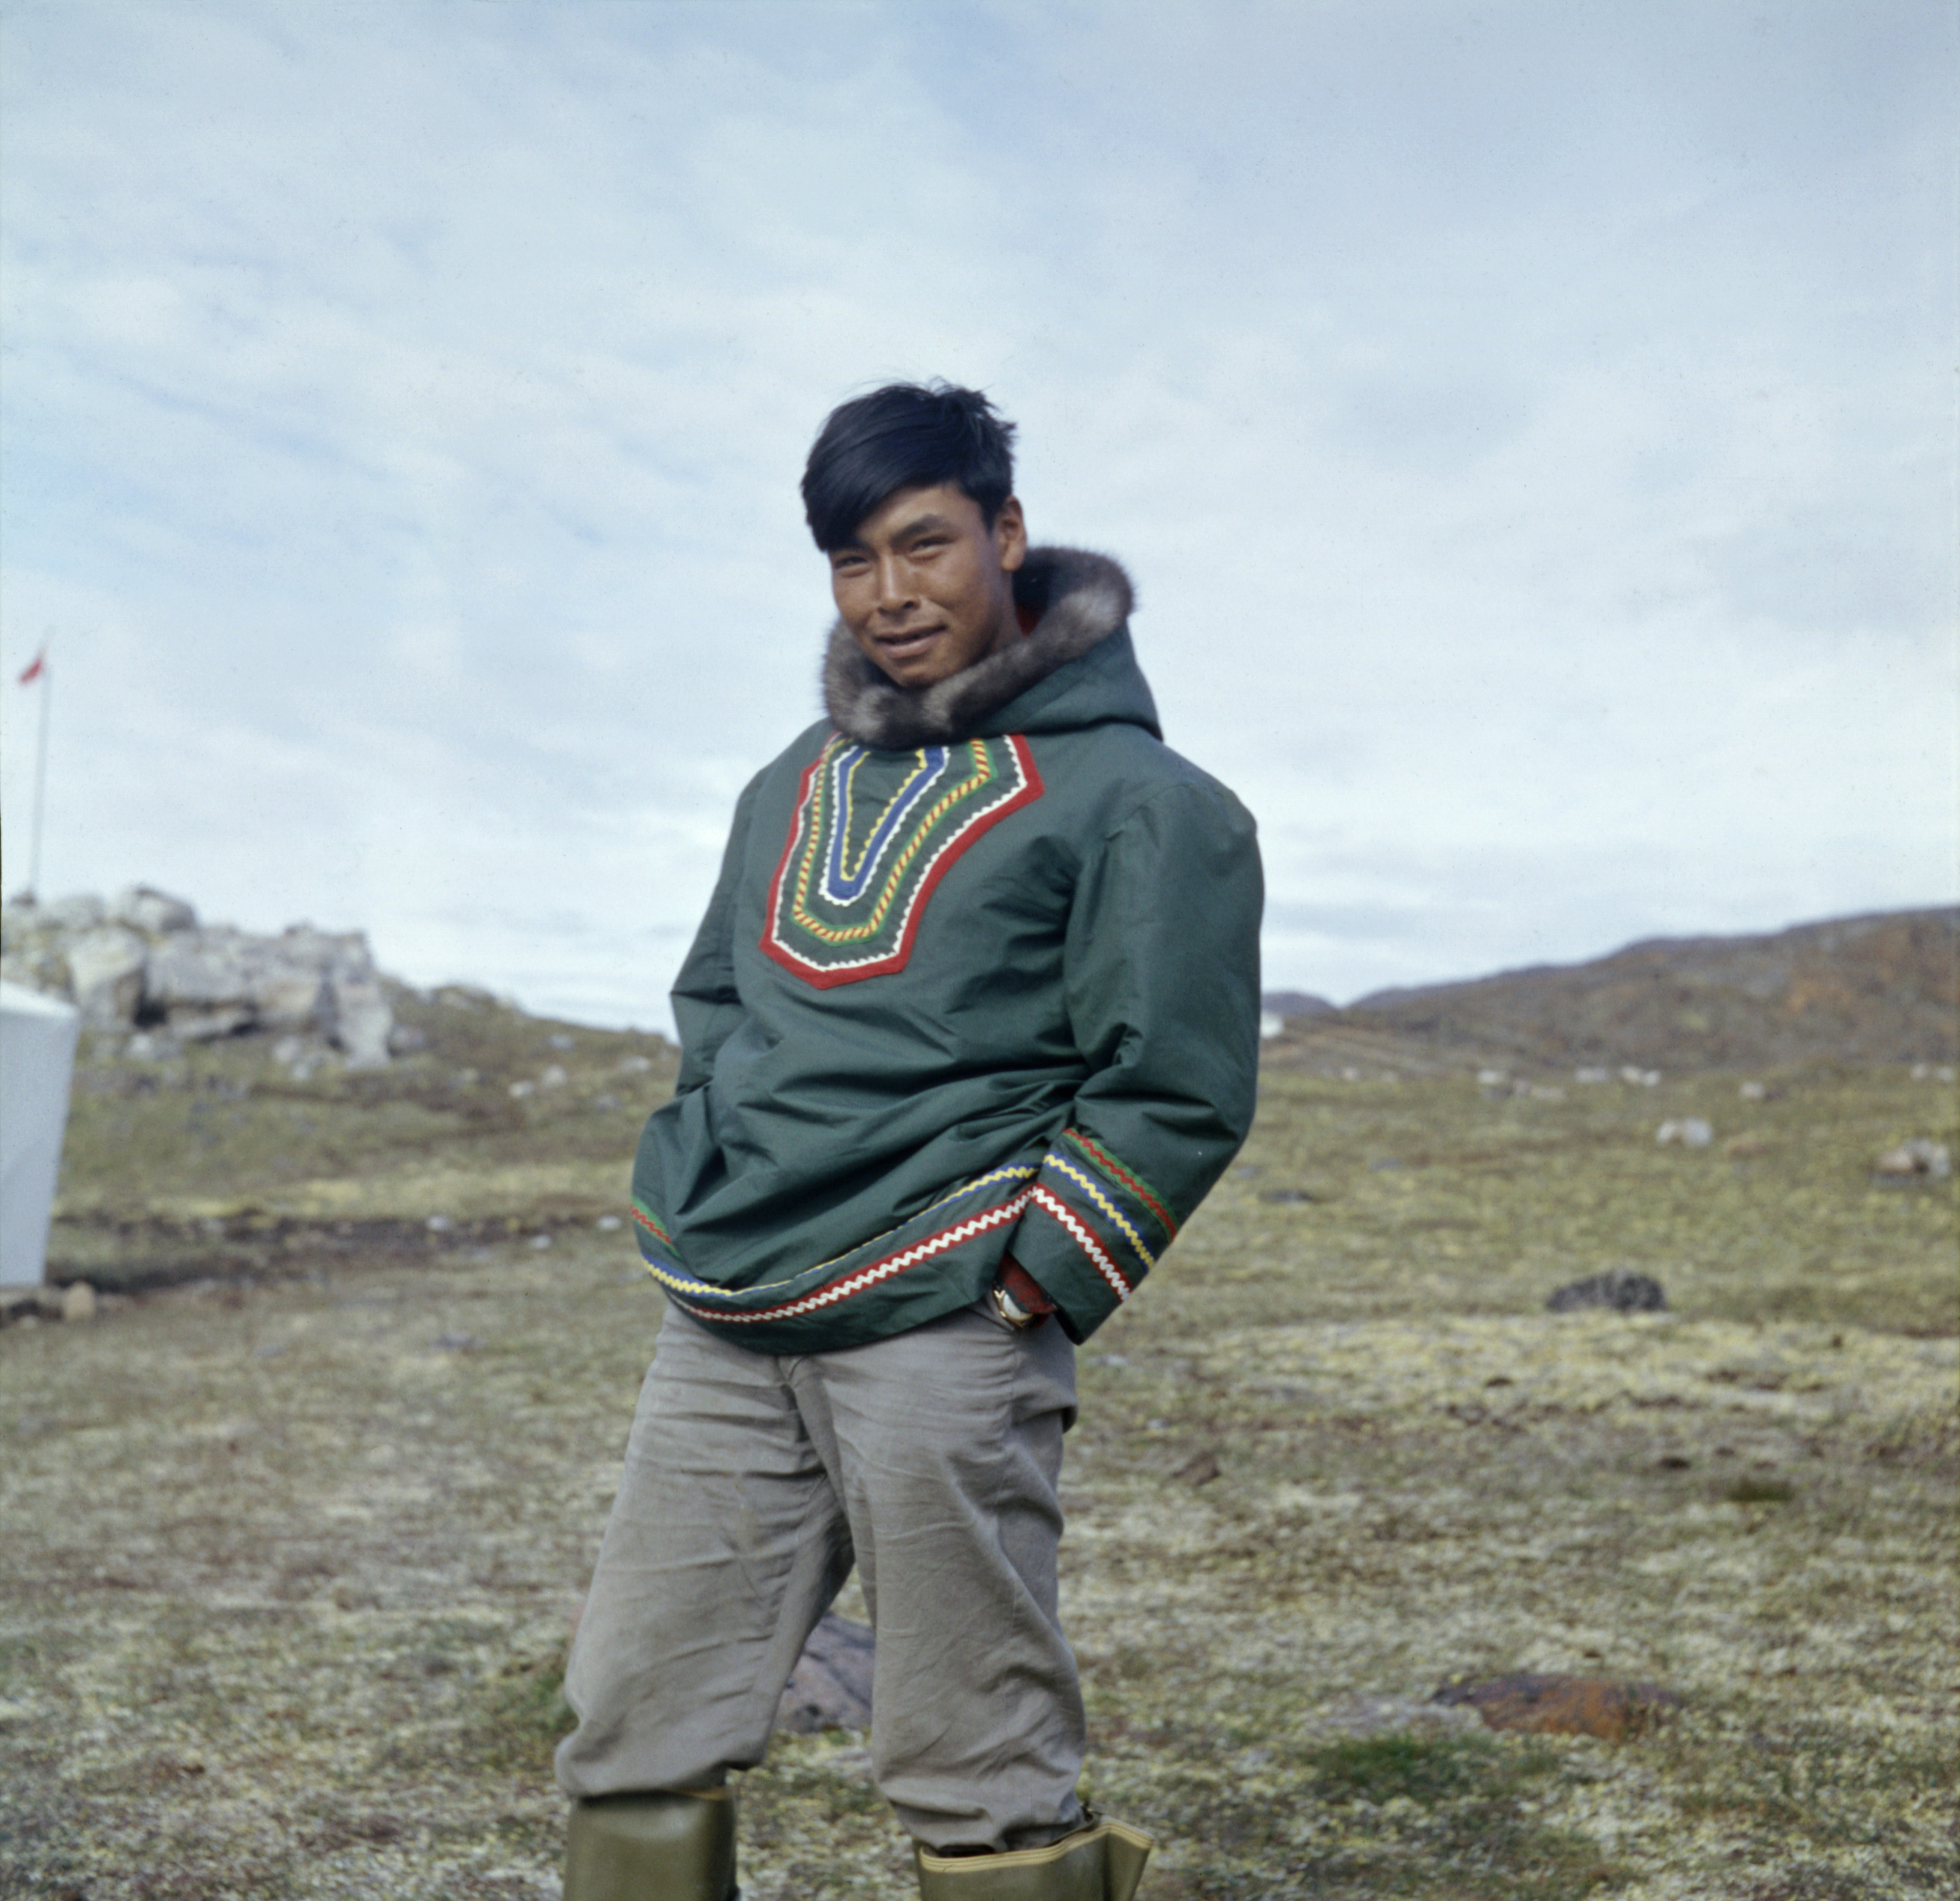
707,1010
1162,976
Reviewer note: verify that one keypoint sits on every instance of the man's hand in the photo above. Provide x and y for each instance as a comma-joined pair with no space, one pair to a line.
1019,1296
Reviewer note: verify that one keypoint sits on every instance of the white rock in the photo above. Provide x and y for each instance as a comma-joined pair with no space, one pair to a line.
553,1077
209,1024
78,1302
1271,1025
361,1020
82,911
1592,1075
1752,1092
106,970
1921,1156
144,909
200,970
288,997
1690,1131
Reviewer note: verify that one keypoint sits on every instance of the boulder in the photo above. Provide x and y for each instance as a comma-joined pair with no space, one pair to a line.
152,911
1921,1156
287,997
361,1020
211,1023
83,912
105,972
1619,1289
1555,1705
146,961
1690,1131
203,970
831,1686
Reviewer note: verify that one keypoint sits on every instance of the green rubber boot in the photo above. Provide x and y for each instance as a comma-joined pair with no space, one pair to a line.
1103,1862
655,1847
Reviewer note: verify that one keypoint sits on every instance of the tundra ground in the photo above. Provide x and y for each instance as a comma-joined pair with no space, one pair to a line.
289,1566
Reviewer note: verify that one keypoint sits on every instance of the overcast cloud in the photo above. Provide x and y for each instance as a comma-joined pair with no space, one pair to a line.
1530,428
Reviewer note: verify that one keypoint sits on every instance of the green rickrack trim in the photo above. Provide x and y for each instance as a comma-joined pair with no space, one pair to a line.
645,1219
1133,1182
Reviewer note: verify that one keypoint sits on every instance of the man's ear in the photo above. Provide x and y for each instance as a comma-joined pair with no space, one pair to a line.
1010,535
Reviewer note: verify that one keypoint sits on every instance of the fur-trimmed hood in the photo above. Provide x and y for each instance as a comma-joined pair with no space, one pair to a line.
1079,599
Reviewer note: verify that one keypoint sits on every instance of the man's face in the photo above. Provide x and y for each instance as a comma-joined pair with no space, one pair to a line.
926,587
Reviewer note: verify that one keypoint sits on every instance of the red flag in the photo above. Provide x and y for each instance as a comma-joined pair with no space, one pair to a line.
35,671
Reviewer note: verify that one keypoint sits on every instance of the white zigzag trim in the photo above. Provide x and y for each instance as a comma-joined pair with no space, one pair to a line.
1052,1204
865,1277
1019,785
890,824
1090,1186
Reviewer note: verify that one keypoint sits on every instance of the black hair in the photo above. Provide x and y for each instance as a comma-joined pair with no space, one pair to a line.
907,435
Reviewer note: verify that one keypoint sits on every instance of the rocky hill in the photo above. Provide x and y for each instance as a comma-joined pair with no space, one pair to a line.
1881,988
141,963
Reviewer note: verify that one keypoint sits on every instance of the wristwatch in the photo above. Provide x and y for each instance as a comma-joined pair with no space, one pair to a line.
1011,1311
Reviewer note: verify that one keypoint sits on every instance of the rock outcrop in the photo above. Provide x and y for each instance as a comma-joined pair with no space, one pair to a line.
142,962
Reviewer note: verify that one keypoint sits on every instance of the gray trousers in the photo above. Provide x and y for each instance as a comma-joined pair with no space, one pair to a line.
752,1482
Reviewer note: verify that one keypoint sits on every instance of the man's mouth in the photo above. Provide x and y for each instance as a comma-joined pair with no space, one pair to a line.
915,640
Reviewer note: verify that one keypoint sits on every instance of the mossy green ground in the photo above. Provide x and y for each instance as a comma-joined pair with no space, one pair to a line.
288,1568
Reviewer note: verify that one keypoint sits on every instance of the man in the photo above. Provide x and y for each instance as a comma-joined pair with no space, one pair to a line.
971,1026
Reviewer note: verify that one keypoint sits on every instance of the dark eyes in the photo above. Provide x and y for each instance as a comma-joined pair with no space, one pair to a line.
858,564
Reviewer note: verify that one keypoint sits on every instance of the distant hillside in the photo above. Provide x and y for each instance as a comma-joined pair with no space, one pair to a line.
1881,988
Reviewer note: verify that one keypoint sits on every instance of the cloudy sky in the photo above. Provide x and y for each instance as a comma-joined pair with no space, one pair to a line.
1529,425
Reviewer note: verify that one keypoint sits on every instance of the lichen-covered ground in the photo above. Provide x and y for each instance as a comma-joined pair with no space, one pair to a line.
287,1570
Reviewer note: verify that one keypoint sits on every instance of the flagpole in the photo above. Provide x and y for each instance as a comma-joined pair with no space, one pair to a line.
47,686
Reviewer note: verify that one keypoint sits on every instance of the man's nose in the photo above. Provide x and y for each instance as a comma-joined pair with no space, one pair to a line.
896,593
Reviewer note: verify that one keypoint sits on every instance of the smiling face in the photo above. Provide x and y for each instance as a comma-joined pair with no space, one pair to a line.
926,587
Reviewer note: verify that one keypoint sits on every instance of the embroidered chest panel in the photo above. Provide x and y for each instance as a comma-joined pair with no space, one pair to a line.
874,834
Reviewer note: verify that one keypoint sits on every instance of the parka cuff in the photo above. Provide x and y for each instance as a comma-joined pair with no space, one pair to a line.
1092,1229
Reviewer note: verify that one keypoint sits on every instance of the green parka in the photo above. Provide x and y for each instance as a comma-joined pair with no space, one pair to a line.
980,975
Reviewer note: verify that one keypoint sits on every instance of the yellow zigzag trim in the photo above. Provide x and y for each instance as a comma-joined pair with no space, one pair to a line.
868,1277
1092,1188
1085,1238
681,1283
911,778
985,775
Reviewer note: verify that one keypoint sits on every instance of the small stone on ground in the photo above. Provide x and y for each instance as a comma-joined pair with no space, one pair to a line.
1563,1705
831,1686
1619,1288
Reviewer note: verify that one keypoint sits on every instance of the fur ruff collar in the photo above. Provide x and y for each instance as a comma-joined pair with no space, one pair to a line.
1080,599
